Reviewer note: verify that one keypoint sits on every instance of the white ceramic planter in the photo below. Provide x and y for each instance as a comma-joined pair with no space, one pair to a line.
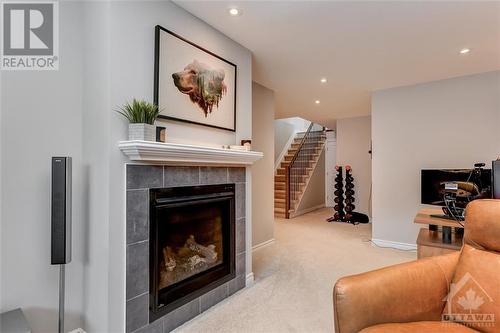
143,132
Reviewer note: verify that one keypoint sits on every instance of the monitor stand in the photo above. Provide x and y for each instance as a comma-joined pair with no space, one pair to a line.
439,237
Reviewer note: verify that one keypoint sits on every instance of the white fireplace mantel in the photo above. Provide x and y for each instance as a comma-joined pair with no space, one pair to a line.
175,153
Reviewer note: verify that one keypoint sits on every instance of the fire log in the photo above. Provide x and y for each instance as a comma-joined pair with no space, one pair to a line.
207,252
168,258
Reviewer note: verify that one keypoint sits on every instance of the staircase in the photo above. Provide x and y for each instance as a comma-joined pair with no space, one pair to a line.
296,168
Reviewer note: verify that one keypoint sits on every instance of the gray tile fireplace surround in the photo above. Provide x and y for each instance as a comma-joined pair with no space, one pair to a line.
139,179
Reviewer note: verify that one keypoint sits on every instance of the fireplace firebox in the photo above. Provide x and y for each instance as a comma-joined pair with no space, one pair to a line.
192,243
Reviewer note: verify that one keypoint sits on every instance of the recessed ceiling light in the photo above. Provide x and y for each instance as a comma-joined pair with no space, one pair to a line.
317,101
323,80
464,51
234,11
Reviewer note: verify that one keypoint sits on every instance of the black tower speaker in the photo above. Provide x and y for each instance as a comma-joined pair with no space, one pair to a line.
61,211
495,174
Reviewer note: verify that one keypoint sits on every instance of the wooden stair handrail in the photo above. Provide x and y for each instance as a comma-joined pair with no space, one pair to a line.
301,144
287,171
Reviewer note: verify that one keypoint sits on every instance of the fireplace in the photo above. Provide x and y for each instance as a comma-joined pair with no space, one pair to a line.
155,196
192,243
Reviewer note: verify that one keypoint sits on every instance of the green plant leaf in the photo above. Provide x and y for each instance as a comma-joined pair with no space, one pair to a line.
139,112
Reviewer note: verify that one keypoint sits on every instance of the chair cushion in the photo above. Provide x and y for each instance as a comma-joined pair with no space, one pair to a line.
418,327
482,224
474,296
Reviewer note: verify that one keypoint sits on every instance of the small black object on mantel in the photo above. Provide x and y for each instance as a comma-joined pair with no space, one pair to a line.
247,143
161,134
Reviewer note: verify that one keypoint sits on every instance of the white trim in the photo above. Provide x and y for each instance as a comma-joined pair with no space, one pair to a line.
249,280
306,210
263,244
176,153
394,245
248,226
287,146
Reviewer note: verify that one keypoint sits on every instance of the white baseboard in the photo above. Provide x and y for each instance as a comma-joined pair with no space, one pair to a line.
394,245
249,280
263,244
306,210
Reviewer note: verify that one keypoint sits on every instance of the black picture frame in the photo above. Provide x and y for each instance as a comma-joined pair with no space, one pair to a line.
158,30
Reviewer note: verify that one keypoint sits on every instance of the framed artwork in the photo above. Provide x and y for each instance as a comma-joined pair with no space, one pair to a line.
193,84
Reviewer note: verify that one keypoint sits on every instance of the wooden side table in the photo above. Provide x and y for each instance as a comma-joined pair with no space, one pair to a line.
442,235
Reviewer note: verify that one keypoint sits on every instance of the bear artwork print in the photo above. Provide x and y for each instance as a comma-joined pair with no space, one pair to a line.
193,84
203,85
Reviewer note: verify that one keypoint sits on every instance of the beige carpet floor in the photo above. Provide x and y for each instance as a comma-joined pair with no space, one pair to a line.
294,278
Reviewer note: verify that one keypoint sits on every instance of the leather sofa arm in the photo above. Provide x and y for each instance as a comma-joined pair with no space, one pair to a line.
406,292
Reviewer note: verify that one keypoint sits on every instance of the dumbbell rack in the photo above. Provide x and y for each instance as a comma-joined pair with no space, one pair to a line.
349,194
339,215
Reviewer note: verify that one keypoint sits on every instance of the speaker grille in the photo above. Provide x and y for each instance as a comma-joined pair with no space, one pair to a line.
61,210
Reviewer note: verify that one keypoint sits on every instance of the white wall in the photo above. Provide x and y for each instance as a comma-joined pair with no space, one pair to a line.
106,52
41,117
263,170
353,144
444,124
282,133
300,124
132,47
96,122
131,75
284,129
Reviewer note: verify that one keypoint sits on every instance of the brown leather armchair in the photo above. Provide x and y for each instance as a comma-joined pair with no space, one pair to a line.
458,292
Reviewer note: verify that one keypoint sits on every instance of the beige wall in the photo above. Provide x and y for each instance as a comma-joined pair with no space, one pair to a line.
314,197
444,124
353,144
263,170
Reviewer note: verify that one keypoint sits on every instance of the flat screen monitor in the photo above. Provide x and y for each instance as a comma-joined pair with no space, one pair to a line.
469,184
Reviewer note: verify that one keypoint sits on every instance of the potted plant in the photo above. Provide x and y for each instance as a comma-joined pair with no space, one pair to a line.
141,116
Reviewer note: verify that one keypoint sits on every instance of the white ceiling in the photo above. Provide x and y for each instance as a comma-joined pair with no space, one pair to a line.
359,46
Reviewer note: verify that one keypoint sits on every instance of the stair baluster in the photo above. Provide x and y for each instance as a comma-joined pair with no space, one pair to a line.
299,167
